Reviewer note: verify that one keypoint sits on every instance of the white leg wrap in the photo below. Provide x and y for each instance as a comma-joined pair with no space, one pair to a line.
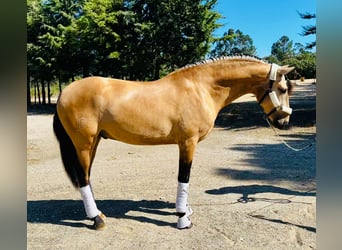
89,202
182,206
184,222
182,197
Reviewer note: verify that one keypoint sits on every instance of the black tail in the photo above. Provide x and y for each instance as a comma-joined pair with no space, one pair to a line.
68,152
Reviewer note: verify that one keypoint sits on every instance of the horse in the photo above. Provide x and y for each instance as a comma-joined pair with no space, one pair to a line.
179,108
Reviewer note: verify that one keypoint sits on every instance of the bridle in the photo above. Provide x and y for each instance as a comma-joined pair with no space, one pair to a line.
277,107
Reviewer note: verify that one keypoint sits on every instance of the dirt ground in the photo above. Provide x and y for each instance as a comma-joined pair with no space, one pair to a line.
247,189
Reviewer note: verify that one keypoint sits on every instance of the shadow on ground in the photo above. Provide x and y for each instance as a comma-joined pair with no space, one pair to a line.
274,162
71,212
249,115
41,109
308,228
247,190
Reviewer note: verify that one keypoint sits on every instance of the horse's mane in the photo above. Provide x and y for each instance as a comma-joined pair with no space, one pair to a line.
224,58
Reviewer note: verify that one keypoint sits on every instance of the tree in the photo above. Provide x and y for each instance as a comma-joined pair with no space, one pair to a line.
308,29
177,32
141,39
129,39
282,49
233,42
100,35
284,53
304,63
47,23
135,39
33,27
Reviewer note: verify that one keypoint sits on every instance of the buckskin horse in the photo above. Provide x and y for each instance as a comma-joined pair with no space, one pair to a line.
179,108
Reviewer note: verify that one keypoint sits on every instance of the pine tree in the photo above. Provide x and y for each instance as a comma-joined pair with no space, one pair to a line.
308,29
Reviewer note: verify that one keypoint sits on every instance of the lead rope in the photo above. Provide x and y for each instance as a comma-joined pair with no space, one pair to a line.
285,143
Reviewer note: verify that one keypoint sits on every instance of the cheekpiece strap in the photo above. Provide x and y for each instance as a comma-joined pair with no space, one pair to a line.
274,70
273,74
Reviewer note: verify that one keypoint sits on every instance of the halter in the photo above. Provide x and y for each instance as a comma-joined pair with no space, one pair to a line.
273,96
277,107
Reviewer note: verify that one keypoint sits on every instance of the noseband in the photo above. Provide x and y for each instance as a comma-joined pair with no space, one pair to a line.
273,96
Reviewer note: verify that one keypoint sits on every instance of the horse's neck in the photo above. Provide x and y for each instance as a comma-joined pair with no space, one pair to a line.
229,82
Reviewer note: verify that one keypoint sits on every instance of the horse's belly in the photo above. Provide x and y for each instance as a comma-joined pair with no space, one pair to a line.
137,139
138,133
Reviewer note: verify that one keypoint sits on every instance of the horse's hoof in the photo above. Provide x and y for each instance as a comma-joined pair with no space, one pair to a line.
184,222
102,215
99,223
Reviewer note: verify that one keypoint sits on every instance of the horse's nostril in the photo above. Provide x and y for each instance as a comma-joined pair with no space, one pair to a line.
286,126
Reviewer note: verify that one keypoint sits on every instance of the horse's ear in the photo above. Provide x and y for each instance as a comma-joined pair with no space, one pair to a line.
283,70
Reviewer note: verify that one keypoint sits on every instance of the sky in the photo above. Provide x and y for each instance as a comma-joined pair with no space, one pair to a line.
266,21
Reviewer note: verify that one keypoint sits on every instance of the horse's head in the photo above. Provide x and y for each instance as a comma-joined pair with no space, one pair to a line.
274,97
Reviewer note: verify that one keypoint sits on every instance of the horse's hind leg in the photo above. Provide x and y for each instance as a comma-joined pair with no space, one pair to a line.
86,157
78,140
186,152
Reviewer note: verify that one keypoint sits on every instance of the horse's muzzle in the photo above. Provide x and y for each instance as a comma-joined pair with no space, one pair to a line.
281,124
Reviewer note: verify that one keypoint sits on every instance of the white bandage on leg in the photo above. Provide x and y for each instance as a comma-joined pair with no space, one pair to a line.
89,202
182,197
182,206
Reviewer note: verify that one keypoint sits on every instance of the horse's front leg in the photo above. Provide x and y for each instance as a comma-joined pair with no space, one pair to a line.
186,152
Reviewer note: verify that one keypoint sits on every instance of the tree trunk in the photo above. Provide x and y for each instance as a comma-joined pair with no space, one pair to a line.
35,92
49,92
38,91
43,93
156,75
85,70
59,84
28,94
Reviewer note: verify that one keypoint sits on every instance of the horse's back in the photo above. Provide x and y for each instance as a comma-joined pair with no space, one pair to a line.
86,88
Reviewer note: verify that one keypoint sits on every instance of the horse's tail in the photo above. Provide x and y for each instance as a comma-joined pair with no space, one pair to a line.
68,153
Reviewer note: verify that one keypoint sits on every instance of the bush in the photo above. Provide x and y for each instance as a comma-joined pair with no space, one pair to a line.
305,64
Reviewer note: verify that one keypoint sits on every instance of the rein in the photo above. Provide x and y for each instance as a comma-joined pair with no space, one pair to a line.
285,143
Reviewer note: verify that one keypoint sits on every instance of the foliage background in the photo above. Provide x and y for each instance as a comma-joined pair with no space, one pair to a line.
133,39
